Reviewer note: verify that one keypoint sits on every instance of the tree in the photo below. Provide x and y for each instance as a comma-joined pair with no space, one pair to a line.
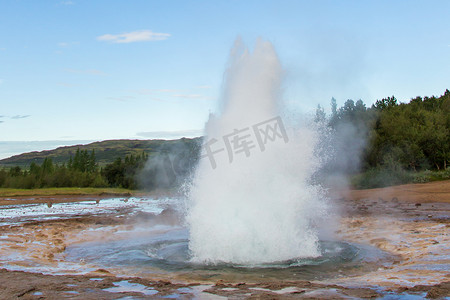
333,107
35,169
47,166
360,106
91,163
320,115
115,173
419,131
385,103
15,171
83,161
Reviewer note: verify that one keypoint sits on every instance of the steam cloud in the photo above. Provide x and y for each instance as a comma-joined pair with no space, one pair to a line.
259,208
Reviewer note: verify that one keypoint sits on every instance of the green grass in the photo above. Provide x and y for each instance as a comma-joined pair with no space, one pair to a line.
378,177
427,176
7,192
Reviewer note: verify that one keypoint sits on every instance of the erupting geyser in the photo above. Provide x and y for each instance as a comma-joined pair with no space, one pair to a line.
252,200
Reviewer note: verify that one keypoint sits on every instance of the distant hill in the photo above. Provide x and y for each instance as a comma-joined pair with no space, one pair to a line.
105,151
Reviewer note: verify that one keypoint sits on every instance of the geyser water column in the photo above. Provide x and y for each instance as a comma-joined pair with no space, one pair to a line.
251,202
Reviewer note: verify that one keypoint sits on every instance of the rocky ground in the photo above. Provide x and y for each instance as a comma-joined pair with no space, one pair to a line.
409,222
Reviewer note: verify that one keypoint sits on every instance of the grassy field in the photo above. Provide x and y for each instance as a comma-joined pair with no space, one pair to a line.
6,192
377,178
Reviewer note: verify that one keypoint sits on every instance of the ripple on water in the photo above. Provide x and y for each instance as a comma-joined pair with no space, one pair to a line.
167,250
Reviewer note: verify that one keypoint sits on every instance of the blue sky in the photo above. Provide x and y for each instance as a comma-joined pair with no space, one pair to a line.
76,70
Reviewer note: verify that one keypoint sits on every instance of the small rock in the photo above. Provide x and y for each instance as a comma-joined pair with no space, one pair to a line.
220,283
164,282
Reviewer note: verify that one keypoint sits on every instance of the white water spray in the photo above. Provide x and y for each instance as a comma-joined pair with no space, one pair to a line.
256,208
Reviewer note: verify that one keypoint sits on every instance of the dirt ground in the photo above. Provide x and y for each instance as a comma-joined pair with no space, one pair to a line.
438,191
410,222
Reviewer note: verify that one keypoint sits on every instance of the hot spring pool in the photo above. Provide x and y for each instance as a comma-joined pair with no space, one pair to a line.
158,244
164,249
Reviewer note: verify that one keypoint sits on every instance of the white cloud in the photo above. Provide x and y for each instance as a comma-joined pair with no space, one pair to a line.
192,96
166,90
134,36
189,96
90,72
203,87
121,98
67,44
95,72
158,100
66,84
16,117
153,91
20,117
170,134
173,93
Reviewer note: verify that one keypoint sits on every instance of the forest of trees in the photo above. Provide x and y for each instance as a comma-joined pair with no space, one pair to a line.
397,142
81,171
385,144
167,168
